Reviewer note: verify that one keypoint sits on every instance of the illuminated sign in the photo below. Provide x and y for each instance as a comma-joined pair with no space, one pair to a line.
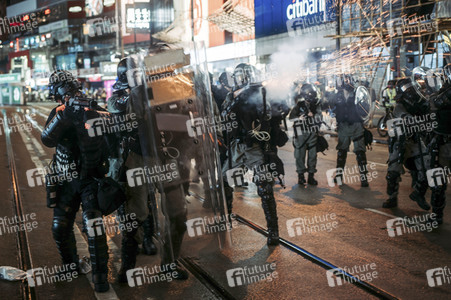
303,8
93,7
9,78
273,16
138,17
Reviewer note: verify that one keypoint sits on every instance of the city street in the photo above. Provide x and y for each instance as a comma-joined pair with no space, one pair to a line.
352,233
225,149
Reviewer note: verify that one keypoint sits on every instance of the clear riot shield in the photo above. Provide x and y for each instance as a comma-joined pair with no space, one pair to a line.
427,82
178,130
363,103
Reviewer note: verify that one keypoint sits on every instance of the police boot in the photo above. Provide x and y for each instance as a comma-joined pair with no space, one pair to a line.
129,251
363,169
63,234
438,202
266,193
149,247
301,179
418,195
341,162
311,179
393,179
98,250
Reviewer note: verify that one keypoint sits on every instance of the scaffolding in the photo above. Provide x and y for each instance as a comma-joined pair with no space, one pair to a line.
380,40
375,29
234,18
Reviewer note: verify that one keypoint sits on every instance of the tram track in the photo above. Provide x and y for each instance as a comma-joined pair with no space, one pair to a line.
23,246
367,287
221,293
189,263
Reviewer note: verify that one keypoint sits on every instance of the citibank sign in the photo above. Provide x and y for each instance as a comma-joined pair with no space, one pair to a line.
302,8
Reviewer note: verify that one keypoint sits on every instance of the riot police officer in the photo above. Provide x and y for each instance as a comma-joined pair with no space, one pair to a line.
307,122
407,147
160,145
251,141
220,92
128,155
65,130
350,127
441,147
436,88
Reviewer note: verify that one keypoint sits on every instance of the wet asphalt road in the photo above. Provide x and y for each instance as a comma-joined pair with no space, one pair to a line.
344,225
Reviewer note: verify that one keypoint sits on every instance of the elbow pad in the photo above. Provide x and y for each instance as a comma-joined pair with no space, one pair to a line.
52,132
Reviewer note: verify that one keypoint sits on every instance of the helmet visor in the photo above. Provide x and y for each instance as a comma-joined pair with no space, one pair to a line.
427,82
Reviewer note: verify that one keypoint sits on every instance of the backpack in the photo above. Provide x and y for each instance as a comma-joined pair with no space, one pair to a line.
321,144
110,195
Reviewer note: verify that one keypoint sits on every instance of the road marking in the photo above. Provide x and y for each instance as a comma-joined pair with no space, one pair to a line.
35,110
35,124
42,108
380,212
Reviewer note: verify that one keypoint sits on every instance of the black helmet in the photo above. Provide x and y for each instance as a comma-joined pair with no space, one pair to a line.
406,90
309,93
63,83
226,79
244,74
346,82
124,65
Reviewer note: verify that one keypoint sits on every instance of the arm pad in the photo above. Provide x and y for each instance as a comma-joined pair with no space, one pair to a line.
53,130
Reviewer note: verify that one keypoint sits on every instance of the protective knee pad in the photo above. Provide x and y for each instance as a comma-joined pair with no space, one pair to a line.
264,189
61,227
393,179
361,157
65,239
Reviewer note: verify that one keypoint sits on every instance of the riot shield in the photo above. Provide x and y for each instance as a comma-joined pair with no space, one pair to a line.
363,103
427,82
178,133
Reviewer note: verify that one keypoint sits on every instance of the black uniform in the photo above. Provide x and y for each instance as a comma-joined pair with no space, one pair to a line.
440,148
128,155
250,143
66,131
407,147
350,129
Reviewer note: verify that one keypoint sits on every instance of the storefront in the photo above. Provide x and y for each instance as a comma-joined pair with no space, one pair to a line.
11,89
